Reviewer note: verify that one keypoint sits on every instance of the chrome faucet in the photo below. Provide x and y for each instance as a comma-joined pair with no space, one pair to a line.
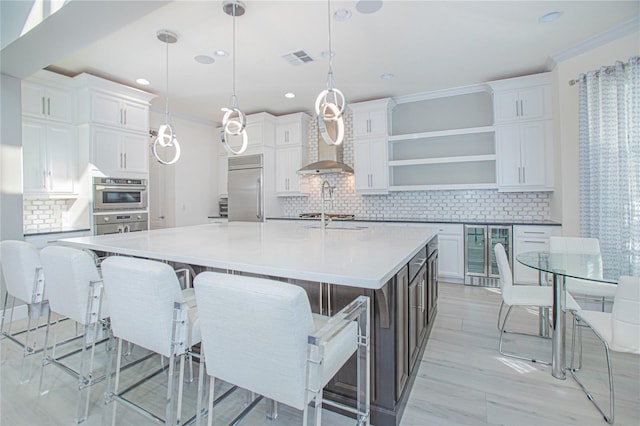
325,185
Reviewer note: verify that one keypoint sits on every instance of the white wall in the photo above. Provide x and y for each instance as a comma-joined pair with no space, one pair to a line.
565,202
10,162
191,190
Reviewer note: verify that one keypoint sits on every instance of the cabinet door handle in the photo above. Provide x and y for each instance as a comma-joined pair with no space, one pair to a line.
535,232
521,109
43,111
125,160
517,109
535,241
44,178
121,163
125,117
48,106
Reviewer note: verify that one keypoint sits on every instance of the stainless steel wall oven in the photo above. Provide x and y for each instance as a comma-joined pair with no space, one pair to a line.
119,194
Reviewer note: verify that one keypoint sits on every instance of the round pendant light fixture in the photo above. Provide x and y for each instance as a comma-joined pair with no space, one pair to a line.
166,136
234,121
331,102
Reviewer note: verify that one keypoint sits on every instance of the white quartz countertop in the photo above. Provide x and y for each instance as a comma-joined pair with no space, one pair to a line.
355,256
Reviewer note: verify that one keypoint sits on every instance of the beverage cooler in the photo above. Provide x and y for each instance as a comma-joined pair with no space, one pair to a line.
480,266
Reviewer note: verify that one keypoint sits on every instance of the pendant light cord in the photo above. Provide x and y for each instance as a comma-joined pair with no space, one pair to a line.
330,81
166,110
234,98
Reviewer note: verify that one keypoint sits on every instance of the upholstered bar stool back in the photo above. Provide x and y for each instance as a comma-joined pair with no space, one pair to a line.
74,290
20,265
142,294
271,359
24,282
69,272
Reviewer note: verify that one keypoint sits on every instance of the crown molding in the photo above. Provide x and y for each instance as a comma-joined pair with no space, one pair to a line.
593,42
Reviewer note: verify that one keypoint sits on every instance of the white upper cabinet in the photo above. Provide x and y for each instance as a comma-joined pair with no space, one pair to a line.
112,110
524,134
49,158
370,166
371,118
291,153
48,102
261,132
49,140
522,98
524,156
106,103
288,162
118,153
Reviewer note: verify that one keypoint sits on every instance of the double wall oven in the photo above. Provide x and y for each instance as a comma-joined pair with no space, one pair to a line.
120,205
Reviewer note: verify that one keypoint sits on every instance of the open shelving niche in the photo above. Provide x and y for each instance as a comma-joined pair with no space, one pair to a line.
443,140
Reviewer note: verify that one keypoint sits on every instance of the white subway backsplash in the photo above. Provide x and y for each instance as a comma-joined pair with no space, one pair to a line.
452,205
45,215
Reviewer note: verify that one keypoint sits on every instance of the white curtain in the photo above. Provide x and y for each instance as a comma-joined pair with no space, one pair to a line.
610,164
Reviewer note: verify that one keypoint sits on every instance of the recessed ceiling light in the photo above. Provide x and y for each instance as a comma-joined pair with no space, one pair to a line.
221,53
325,53
386,76
204,59
342,15
368,6
550,17
142,81
289,95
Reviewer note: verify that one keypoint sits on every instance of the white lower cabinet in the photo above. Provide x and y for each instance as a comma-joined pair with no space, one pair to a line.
530,238
371,167
49,158
119,154
451,252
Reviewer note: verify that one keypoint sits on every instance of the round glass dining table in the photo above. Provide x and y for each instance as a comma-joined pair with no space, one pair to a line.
585,266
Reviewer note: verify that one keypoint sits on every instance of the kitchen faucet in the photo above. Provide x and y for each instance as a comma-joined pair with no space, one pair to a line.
324,222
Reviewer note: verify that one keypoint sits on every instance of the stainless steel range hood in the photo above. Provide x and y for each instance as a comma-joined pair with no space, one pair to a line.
329,161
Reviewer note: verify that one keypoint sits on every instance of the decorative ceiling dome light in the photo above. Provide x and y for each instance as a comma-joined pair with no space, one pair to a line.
234,121
166,136
331,103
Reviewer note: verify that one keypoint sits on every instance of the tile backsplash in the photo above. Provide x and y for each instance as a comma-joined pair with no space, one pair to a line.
449,205
45,215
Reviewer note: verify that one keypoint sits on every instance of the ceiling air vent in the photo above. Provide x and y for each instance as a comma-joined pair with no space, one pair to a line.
298,58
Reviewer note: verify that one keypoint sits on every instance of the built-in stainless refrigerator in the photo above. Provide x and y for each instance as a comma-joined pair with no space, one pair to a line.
480,265
245,189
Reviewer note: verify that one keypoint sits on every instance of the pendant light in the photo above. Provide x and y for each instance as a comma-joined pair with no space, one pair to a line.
331,103
166,136
234,121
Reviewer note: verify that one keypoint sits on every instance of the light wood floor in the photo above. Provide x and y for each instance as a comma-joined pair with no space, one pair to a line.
462,380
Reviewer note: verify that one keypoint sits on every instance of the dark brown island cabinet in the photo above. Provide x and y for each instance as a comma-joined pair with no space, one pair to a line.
402,314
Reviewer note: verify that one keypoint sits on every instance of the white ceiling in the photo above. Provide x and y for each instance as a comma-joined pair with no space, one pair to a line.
427,45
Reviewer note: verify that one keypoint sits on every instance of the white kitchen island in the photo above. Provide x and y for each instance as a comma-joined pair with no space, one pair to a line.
357,256
334,266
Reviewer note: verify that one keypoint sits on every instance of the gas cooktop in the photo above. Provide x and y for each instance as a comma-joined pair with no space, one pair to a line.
334,216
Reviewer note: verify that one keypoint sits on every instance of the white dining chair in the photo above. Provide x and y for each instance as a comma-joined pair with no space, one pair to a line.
261,335
24,281
74,290
577,286
523,296
619,331
148,308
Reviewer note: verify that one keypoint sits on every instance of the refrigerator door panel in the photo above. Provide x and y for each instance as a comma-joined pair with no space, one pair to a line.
245,195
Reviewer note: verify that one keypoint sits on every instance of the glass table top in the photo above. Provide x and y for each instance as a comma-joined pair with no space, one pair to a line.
576,265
